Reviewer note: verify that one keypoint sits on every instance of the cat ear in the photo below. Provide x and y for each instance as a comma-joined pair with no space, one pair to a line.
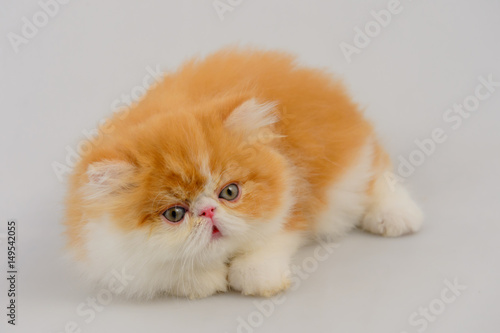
107,177
251,116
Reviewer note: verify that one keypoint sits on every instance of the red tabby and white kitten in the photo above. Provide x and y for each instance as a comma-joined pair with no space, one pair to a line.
222,171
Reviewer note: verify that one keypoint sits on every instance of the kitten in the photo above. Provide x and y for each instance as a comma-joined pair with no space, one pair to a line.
222,172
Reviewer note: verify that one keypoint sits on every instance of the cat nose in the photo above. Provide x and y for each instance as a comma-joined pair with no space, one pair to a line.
208,212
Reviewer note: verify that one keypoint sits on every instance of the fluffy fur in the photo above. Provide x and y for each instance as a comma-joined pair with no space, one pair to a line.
307,163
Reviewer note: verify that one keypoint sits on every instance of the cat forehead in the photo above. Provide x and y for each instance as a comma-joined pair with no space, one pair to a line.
187,179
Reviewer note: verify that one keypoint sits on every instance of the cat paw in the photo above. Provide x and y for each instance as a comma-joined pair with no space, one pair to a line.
255,277
202,292
202,284
393,218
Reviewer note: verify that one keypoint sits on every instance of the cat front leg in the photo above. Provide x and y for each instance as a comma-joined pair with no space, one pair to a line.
265,270
200,282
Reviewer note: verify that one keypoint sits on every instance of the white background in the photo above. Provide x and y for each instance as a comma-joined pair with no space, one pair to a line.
429,57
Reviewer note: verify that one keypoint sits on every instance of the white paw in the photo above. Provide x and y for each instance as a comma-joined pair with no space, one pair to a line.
202,284
393,216
258,277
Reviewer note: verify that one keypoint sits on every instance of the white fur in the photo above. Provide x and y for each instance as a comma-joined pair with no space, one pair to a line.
386,211
251,116
104,178
347,198
155,266
391,211
264,271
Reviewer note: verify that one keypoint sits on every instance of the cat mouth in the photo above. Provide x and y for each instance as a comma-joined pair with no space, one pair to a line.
215,232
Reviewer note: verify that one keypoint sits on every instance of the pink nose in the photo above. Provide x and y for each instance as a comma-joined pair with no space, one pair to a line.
208,212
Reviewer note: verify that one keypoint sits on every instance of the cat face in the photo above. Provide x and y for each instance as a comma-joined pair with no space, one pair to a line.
198,183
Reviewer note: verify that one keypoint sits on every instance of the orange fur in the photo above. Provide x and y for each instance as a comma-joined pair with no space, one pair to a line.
179,126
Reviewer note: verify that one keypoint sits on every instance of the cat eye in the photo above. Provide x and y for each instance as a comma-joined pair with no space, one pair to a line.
230,192
175,214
